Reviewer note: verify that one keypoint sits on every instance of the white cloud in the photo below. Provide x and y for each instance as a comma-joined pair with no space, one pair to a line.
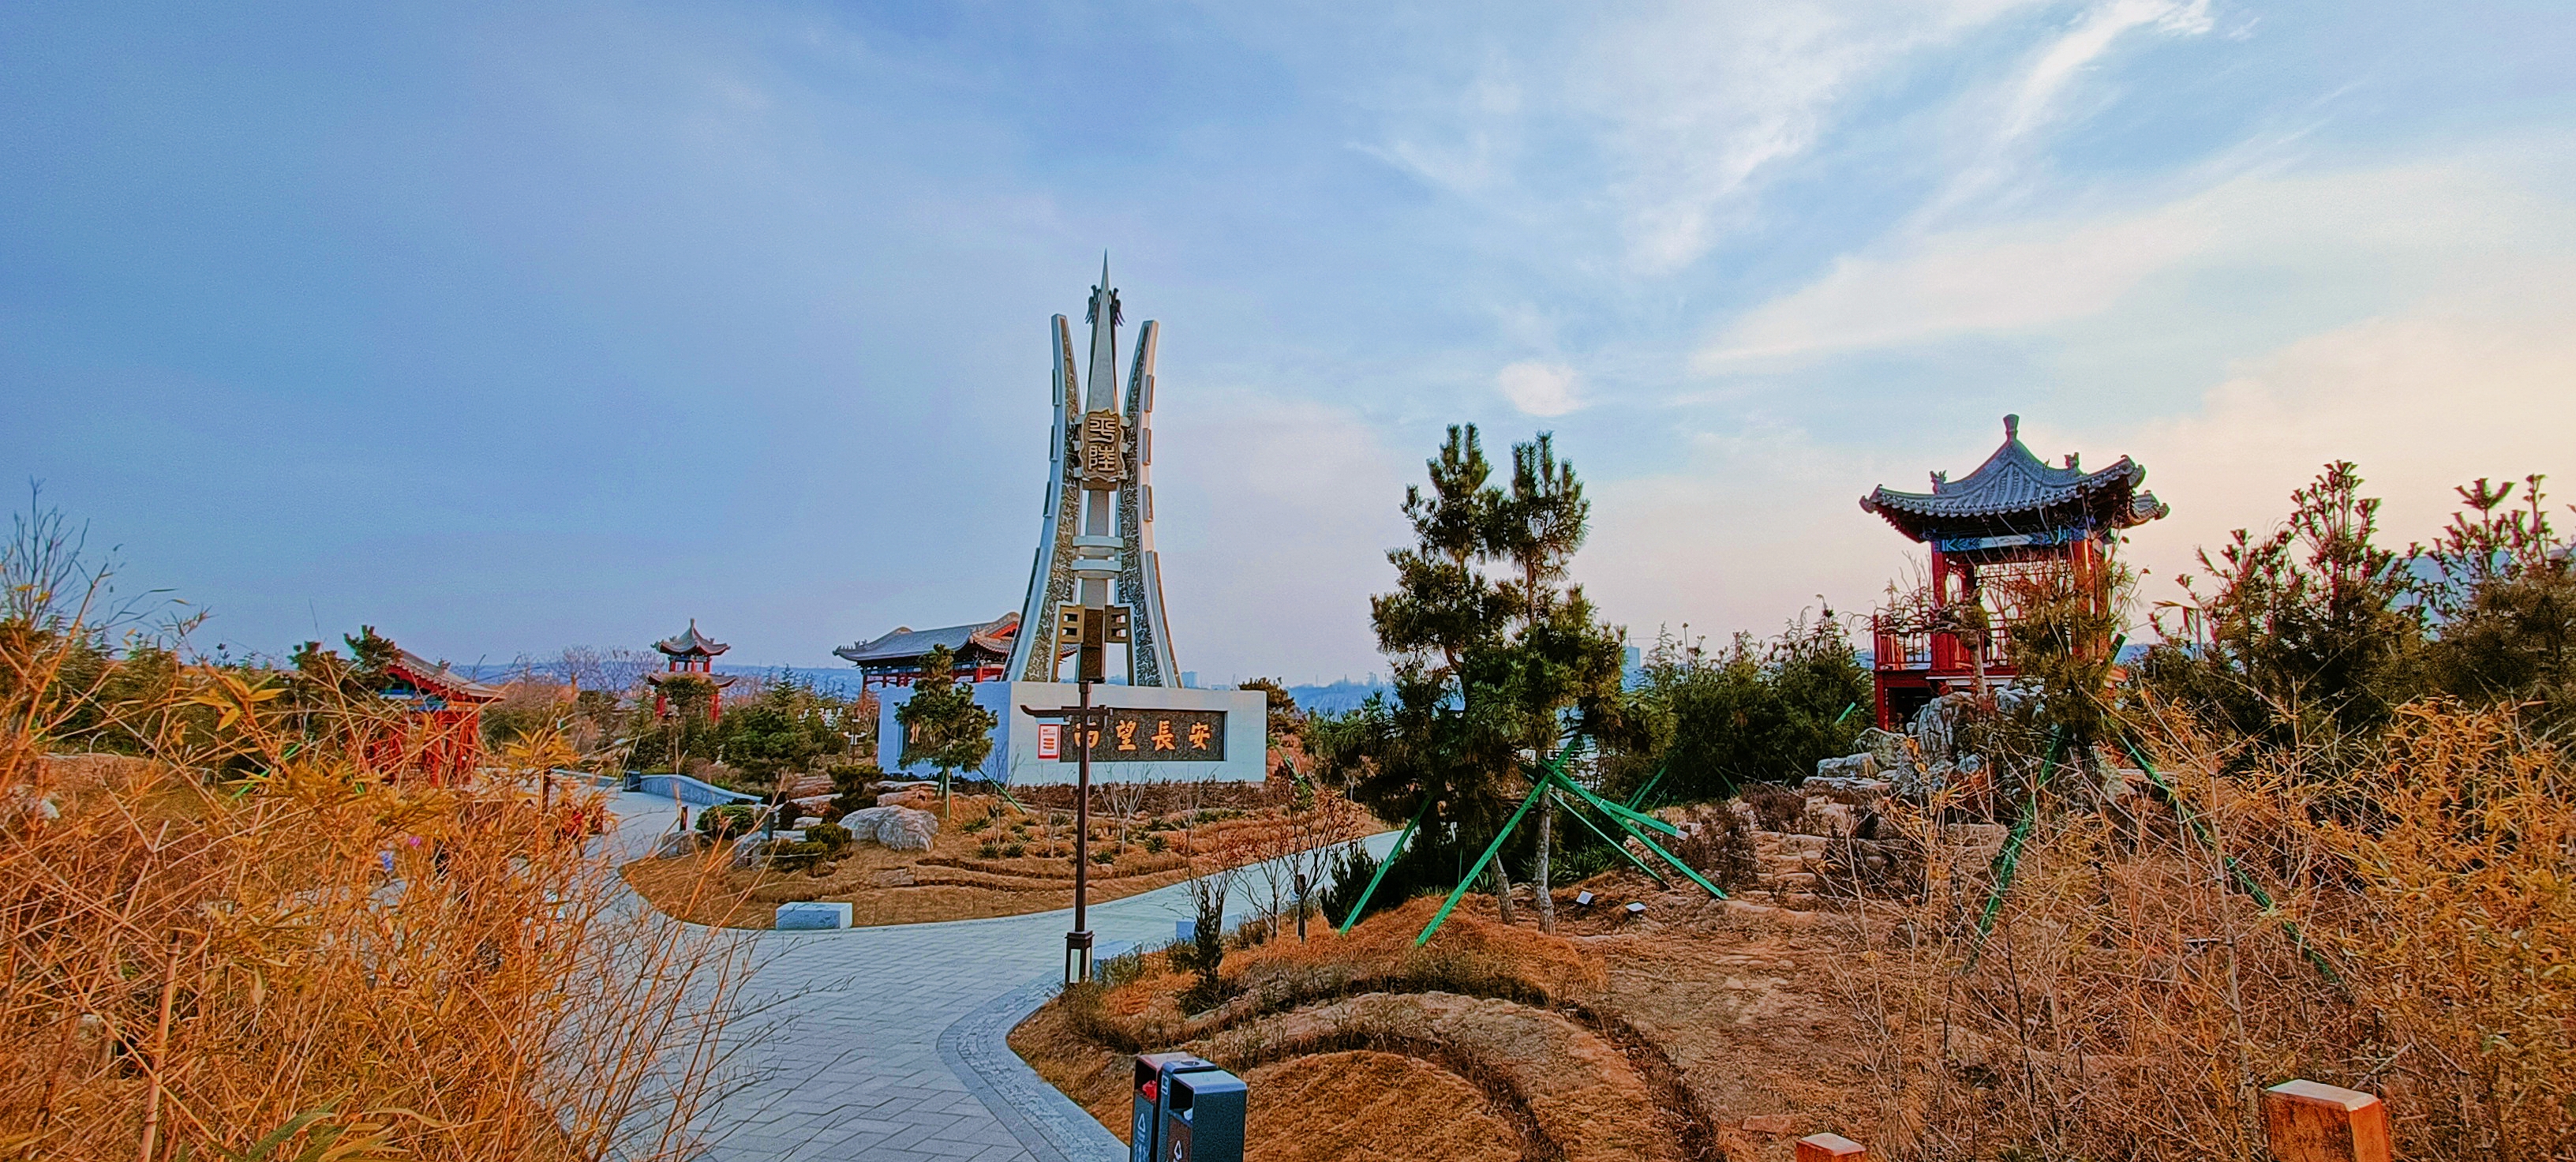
1696,100
2396,230
1273,517
2420,402
2034,101
1539,389
1657,121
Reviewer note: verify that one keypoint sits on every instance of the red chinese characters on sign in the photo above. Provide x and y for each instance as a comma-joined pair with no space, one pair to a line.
1050,740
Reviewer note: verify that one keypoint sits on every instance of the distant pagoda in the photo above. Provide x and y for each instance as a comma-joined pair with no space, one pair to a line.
2015,511
691,653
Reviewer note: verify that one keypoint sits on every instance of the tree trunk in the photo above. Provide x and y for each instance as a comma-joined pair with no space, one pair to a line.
1545,887
1502,889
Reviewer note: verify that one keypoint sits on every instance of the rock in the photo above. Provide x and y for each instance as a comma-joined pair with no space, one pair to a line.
1887,747
1855,766
752,849
890,826
1854,790
805,821
1771,1124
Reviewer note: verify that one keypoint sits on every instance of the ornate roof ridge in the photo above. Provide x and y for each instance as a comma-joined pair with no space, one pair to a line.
994,635
691,642
2013,480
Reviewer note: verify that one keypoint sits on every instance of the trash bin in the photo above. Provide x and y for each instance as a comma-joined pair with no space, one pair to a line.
1153,1071
1202,1117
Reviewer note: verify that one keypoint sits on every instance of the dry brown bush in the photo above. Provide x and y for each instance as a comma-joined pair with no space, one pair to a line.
2133,996
193,965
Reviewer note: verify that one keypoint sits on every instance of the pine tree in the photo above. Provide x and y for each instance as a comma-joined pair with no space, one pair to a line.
1486,667
941,723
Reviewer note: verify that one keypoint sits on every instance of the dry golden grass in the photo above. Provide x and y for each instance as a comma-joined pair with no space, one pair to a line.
2131,999
953,880
194,965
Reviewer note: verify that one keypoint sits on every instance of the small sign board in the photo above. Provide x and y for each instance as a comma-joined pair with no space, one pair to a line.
1149,736
1050,740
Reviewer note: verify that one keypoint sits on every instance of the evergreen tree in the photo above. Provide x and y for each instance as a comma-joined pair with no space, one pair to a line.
941,723
1485,667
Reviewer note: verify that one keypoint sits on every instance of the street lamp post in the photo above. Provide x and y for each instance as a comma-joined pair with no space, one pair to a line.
1090,631
1077,943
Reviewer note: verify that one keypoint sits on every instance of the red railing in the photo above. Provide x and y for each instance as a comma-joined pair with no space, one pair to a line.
1897,647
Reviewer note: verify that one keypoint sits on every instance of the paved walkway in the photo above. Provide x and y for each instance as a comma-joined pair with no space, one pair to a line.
843,1054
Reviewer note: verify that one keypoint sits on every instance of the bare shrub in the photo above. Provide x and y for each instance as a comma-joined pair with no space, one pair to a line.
1775,808
2134,994
1721,849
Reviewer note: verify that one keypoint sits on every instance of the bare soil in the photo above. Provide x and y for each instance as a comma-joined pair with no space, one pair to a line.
1657,1037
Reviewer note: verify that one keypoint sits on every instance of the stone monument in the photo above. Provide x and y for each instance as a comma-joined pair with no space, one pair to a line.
1097,584
1099,529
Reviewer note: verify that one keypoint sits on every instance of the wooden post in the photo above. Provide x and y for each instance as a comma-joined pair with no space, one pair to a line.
1830,1148
2310,1121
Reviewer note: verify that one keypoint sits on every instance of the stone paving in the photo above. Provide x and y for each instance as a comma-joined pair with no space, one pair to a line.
843,1055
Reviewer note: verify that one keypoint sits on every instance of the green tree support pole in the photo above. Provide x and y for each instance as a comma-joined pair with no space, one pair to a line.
1615,845
2244,881
1491,849
2009,859
1553,777
1361,908
1622,816
1638,800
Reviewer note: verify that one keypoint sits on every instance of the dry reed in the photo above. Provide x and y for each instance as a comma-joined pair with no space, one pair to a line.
330,958
2134,993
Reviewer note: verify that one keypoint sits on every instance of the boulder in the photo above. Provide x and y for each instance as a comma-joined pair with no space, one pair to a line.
916,797
894,827
1855,766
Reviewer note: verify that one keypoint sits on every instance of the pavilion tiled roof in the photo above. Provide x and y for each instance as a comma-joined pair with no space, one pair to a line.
435,678
691,643
905,643
2012,484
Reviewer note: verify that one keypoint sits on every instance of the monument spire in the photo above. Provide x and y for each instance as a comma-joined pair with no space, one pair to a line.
1096,564
1100,391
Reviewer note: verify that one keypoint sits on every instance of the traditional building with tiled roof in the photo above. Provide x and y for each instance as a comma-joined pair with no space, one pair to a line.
982,651
694,654
2016,511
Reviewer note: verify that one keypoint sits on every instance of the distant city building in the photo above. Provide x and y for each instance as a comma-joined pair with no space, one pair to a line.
2014,512
691,653
982,652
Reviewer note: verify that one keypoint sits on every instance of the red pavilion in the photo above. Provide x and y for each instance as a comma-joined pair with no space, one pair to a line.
2015,512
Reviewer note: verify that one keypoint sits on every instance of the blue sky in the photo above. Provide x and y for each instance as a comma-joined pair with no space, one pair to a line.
510,327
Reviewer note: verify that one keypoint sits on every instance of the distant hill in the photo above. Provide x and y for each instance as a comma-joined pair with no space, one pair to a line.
1339,696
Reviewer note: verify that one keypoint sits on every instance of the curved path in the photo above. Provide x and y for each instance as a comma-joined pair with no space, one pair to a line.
885,1044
